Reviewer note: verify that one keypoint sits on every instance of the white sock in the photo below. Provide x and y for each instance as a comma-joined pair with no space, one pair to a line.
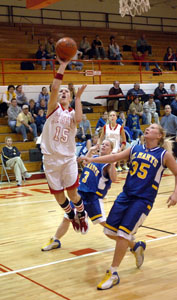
113,269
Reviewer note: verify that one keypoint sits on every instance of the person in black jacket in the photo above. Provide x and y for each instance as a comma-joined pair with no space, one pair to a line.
11,158
158,96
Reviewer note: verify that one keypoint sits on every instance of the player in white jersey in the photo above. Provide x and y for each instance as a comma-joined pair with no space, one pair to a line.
58,148
115,132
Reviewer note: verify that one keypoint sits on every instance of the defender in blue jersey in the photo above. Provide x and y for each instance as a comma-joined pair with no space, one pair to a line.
132,206
95,181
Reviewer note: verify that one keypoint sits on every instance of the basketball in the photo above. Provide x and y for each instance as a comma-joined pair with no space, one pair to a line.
66,48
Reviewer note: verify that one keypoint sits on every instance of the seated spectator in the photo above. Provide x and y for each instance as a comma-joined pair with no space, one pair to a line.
149,108
42,54
169,123
101,122
84,132
174,106
85,47
12,159
74,63
114,51
170,59
25,123
33,108
172,90
117,91
42,105
20,96
98,49
143,57
12,112
159,99
40,120
43,95
121,119
6,99
134,92
72,90
50,49
133,123
139,109
142,45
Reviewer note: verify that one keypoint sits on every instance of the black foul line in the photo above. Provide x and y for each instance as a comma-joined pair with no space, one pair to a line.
157,229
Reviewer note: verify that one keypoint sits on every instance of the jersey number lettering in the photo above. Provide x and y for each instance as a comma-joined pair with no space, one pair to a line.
64,135
86,173
140,169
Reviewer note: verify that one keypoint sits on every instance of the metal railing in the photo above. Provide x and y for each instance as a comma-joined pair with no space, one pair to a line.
80,18
95,69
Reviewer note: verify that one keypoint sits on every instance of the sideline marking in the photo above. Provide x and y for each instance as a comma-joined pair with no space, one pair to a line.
77,257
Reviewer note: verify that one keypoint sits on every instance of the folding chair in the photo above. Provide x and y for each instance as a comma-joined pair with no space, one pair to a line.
4,171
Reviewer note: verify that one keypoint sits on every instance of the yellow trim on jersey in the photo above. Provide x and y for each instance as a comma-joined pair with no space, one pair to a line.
96,217
124,229
149,207
110,227
154,187
99,194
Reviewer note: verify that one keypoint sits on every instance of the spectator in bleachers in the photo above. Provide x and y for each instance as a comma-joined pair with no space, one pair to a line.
121,119
143,57
158,96
85,47
98,48
12,112
114,51
78,65
174,106
85,131
6,99
142,45
43,95
169,123
40,120
12,159
134,92
32,108
25,123
42,54
172,90
149,108
50,49
102,121
133,123
72,90
115,90
42,105
170,59
139,109
20,96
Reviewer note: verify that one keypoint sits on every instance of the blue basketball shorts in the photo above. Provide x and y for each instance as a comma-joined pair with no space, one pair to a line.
126,215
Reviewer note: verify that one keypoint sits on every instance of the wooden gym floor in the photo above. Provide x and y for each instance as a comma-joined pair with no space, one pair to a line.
30,216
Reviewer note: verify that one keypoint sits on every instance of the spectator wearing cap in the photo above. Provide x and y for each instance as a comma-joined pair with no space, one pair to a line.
25,123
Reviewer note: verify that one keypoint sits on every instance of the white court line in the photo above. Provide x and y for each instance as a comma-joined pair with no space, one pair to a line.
28,202
75,258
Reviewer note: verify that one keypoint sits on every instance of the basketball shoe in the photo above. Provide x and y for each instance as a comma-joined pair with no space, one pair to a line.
76,222
138,251
84,224
53,244
109,280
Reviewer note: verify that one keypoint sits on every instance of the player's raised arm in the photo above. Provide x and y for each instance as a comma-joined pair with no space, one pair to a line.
78,105
52,104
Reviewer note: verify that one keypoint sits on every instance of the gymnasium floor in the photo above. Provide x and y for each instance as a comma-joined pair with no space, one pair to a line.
30,216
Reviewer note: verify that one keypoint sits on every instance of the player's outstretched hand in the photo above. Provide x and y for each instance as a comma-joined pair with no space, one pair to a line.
172,200
81,90
61,62
85,159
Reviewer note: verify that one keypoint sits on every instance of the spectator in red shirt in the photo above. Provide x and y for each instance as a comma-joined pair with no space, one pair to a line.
142,57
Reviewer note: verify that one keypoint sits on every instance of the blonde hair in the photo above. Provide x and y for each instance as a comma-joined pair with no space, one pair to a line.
164,142
7,137
111,143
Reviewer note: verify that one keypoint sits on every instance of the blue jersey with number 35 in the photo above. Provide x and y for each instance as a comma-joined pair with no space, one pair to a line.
146,169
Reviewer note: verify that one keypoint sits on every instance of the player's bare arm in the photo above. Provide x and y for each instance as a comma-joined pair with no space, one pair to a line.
171,164
78,105
109,158
52,104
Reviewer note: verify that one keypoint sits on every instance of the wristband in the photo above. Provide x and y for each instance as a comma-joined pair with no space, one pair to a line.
59,76
123,143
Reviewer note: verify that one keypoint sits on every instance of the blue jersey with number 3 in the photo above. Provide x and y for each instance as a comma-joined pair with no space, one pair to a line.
146,169
93,180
